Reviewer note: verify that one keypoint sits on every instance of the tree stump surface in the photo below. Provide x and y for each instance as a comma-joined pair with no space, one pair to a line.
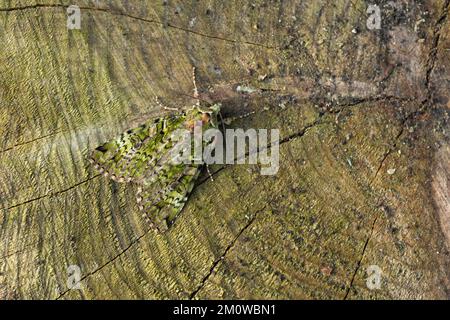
364,152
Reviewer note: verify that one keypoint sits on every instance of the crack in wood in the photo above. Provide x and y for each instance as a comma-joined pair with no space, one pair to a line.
319,121
23,250
358,265
432,57
282,141
28,142
52,194
222,257
124,14
132,243
430,66
425,105
389,152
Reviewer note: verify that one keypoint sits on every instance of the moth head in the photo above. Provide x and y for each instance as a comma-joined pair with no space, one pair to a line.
209,115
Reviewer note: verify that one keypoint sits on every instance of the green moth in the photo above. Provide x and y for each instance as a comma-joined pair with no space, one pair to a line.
143,155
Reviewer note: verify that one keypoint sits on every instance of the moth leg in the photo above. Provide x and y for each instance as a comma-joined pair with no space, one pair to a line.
194,80
171,109
159,103
209,173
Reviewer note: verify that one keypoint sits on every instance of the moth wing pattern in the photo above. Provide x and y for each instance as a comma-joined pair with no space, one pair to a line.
127,157
142,156
147,156
162,201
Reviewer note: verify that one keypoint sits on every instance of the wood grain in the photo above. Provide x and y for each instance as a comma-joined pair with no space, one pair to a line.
364,121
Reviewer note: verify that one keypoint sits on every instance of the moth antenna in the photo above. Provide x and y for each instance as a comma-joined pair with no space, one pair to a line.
209,173
159,103
245,115
171,109
194,80
231,119
162,106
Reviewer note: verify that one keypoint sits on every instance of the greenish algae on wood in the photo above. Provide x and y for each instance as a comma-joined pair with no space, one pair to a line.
352,105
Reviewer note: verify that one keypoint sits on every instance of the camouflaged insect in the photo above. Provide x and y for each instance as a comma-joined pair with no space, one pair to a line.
143,156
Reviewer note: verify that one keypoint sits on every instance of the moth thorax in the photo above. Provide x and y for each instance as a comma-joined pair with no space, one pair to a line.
205,118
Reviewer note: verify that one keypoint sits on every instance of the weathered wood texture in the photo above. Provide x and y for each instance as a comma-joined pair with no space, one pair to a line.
352,105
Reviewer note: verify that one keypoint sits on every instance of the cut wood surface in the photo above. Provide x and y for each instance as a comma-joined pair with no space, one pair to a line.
364,152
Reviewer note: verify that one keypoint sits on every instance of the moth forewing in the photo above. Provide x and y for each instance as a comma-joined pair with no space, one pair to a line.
158,156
